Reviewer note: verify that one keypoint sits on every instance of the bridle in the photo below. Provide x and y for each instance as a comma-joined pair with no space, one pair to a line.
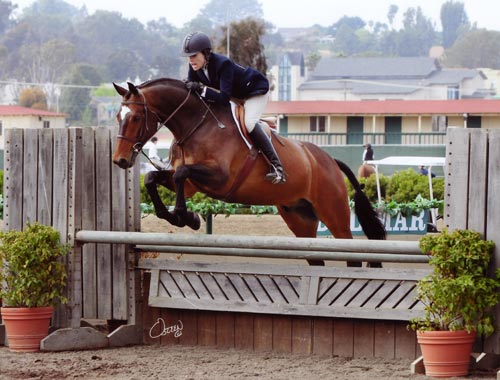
138,143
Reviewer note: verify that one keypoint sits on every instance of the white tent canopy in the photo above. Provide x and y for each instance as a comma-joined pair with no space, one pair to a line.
429,162
409,161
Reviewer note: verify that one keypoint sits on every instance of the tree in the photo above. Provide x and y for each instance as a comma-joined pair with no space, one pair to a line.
103,33
221,12
126,64
6,9
418,34
391,14
477,48
74,99
91,74
346,40
33,98
353,23
312,60
246,47
54,7
454,20
48,62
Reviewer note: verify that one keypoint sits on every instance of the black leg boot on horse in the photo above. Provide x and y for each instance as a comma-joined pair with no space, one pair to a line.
263,143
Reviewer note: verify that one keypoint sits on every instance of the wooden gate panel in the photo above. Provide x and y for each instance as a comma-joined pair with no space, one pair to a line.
263,288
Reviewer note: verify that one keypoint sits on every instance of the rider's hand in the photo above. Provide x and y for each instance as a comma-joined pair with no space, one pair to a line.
194,86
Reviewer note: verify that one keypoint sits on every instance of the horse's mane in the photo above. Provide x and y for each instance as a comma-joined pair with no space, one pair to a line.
152,82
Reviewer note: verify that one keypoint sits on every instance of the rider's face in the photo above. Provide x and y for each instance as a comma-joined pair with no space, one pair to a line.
197,61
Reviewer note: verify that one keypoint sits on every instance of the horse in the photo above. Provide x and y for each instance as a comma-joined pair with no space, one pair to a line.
209,155
365,170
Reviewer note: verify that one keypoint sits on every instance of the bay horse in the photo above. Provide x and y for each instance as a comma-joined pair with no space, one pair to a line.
365,171
210,156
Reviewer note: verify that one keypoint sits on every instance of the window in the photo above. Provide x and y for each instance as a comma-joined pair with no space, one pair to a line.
453,92
46,124
317,123
285,79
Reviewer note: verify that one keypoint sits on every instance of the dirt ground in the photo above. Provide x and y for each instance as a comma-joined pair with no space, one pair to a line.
182,362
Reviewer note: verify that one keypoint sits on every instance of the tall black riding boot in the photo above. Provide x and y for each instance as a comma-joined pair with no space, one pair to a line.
262,142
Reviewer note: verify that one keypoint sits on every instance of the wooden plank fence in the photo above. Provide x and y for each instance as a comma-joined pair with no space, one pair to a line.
471,188
68,181
65,178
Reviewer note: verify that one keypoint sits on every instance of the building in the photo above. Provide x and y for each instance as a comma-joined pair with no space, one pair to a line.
381,78
390,117
22,117
287,76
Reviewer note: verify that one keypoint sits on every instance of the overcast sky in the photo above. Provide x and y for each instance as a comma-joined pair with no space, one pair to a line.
287,13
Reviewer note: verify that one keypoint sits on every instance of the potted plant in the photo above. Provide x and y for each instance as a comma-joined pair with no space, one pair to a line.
458,297
33,277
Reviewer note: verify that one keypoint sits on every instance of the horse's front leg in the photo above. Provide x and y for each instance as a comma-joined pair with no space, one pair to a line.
151,181
184,217
212,178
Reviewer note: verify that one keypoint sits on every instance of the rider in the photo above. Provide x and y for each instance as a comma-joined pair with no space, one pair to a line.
209,71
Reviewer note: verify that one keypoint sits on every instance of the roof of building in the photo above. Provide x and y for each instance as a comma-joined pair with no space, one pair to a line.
384,75
8,110
386,107
365,87
374,67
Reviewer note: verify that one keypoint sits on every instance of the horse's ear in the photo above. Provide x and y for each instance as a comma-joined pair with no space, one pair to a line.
132,88
122,91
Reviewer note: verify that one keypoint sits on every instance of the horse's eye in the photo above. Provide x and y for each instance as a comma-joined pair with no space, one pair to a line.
136,118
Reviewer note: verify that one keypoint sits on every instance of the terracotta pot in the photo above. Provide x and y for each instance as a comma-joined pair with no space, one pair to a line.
26,326
446,353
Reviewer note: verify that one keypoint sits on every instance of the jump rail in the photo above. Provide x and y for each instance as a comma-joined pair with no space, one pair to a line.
259,287
265,247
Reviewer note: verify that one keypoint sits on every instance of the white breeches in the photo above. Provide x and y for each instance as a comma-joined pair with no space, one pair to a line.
254,107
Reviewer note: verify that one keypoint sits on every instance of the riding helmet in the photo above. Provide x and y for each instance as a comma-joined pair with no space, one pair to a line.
194,43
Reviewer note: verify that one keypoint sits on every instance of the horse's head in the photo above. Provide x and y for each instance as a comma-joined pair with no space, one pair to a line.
137,125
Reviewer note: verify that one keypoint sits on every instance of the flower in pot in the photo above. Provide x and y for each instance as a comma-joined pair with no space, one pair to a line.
458,296
34,278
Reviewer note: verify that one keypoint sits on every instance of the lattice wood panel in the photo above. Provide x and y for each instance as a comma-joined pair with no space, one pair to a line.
279,289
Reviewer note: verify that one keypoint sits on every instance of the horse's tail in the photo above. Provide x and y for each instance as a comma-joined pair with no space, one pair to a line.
370,223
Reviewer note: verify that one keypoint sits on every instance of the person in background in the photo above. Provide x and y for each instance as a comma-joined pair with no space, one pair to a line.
424,171
368,153
153,149
216,78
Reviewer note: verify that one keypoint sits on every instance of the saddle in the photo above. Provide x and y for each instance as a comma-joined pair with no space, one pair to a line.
238,110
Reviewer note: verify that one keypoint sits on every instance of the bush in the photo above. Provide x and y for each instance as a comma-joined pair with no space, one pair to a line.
401,187
370,187
168,197
405,185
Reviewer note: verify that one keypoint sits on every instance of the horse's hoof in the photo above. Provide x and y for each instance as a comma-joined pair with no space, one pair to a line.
195,221
162,214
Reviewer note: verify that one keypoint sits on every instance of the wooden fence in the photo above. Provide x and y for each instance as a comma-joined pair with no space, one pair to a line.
65,178
68,181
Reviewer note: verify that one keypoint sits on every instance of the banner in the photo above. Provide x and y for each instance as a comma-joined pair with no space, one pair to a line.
397,224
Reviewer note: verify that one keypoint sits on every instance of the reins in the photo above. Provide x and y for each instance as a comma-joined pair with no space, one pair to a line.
138,144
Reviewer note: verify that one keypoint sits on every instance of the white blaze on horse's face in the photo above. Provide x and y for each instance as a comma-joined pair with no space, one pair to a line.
123,112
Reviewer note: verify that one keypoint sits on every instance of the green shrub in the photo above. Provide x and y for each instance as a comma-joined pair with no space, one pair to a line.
167,196
31,270
370,187
405,185
406,191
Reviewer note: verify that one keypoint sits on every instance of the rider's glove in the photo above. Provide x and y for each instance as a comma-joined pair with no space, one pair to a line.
194,86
